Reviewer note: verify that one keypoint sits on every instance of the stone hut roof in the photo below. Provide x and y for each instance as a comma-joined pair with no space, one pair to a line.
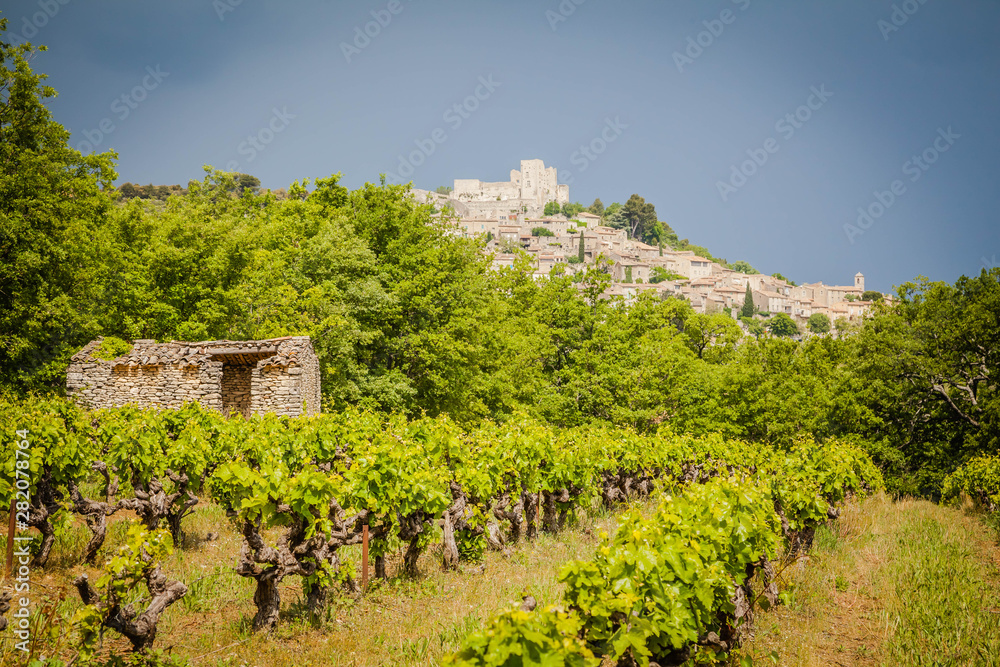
273,351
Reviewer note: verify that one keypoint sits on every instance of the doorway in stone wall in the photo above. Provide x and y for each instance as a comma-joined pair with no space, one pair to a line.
236,389
238,365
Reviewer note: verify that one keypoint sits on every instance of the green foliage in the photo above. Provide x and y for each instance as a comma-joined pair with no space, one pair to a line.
122,576
581,249
754,326
570,210
782,324
818,323
111,348
979,479
781,277
640,218
659,274
663,583
597,208
552,208
670,576
541,231
246,182
158,192
519,638
713,336
443,190
743,267
929,368
54,212
873,296
614,217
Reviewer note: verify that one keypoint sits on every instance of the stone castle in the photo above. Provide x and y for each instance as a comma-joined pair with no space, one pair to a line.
279,375
527,193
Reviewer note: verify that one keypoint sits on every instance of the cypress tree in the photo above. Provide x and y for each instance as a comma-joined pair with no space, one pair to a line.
582,255
747,310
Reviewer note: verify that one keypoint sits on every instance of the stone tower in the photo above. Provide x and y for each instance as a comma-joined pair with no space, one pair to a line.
859,282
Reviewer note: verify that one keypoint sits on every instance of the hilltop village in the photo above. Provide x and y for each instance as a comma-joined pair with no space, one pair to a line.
511,215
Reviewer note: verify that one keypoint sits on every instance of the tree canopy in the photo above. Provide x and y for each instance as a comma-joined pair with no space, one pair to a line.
640,216
818,323
782,325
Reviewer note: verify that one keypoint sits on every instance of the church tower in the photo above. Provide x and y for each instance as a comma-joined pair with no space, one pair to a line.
859,282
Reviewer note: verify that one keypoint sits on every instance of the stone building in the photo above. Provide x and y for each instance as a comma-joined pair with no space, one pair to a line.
528,191
280,375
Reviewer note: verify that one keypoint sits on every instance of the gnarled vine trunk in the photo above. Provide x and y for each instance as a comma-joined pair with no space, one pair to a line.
553,517
453,519
154,505
96,512
138,628
511,510
5,597
530,501
44,504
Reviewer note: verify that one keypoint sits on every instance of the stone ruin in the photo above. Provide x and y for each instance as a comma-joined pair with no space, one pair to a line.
279,375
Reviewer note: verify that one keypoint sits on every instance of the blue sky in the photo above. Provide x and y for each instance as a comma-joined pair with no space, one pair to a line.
758,129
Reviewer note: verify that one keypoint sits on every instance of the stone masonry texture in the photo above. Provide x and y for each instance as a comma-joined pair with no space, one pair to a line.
279,375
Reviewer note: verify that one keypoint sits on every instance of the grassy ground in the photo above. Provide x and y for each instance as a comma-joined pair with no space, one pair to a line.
399,622
890,583
907,583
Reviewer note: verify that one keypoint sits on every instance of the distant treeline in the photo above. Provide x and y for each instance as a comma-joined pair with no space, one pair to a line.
162,192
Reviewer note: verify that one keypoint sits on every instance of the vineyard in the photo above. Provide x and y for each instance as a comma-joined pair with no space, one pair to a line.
680,582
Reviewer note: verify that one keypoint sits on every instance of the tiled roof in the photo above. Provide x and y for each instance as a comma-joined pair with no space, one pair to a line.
144,352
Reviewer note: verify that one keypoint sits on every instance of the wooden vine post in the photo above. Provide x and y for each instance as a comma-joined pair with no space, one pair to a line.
364,557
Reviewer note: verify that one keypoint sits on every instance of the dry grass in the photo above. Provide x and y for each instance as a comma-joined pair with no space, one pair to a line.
890,583
402,621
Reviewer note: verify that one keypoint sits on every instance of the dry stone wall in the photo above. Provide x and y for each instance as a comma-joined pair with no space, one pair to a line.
279,375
